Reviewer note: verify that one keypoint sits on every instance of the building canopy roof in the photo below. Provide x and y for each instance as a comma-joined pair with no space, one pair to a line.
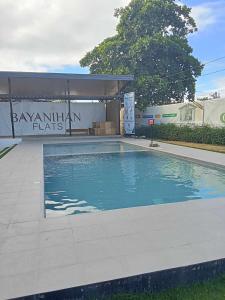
57,86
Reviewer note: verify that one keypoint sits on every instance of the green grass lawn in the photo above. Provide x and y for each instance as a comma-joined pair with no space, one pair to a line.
4,151
211,290
208,147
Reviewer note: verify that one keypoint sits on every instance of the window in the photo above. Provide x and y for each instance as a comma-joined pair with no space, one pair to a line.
187,114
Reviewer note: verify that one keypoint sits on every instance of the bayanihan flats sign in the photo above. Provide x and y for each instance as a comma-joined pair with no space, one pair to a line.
46,121
48,118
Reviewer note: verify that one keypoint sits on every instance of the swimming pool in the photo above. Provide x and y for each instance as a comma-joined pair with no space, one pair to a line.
90,177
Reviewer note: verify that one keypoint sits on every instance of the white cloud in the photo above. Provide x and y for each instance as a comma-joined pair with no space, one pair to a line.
212,86
204,16
37,35
220,85
208,13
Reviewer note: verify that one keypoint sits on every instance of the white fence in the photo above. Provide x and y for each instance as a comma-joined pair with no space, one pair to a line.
209,112
39,118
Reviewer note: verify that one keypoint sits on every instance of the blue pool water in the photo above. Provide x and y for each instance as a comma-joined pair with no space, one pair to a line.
81,178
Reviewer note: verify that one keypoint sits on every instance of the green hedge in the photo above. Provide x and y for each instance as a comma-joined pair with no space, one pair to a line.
197,134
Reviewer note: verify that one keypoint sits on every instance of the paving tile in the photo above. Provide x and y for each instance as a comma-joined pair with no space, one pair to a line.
20,243
219,213
23,228
103,217
56,237
10,187
5,218
18,285
56,256
3,230
7,209
60,278
28,197
26,212
84,220
26,216
104,269
89,233
51,224
209,250
122,245
151,261
18,262
126,227
143,262
93,250
8,198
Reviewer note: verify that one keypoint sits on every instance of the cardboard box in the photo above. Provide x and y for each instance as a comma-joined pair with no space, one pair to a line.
102,125
111,131
96,124
102,131
104,128
109,125
96,131
99,131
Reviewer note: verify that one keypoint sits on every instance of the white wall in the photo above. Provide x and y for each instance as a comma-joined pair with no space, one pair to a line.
161,114
39,118
213,113
214,109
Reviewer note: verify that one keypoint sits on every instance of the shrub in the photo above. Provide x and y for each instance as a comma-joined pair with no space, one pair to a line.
196,134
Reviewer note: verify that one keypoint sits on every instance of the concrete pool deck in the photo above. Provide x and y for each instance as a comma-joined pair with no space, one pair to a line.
39,255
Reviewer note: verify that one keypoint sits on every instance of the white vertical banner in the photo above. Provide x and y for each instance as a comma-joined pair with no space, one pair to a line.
129,113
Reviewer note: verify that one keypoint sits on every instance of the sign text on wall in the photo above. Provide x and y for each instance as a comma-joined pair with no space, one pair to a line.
46,121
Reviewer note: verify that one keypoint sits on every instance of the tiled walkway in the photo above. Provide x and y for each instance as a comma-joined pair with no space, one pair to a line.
39,255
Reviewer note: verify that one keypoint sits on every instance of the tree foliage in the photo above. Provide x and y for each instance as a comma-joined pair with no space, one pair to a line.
152,43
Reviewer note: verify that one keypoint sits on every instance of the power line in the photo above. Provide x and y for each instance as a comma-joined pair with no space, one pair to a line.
181,72
217,71
213,60
203,75
208,62
190,79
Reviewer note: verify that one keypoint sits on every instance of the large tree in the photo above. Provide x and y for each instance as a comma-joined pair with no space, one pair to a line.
151,43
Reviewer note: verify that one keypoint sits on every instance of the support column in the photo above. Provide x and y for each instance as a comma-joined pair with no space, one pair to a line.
69,106
11,107
119,117
118,87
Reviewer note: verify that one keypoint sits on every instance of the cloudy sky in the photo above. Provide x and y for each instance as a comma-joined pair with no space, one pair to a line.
53,35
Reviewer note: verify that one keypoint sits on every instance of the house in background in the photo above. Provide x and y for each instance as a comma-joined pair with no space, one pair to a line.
191,113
